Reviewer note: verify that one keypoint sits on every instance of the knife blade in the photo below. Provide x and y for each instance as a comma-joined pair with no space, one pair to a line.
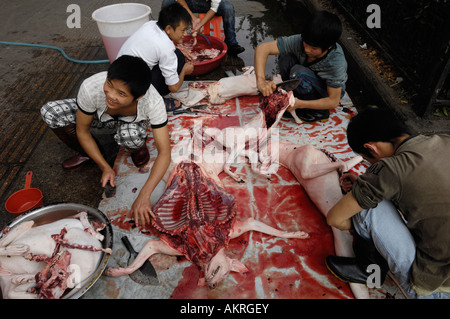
289,85
146,274
190,109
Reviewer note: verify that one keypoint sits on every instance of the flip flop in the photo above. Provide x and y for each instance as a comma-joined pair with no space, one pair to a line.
170,104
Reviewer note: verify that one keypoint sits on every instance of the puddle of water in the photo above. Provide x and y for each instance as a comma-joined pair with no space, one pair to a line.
282,18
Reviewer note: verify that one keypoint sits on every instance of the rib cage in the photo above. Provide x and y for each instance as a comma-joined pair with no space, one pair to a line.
195,213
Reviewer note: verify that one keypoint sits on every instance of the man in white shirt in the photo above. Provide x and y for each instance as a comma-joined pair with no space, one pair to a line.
123,99
223,8
154,43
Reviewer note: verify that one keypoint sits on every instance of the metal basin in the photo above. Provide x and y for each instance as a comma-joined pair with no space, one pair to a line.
51,213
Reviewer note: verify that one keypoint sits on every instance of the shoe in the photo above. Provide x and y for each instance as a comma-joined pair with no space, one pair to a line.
235,49
346,269
141,156
356,269
311,115
75,161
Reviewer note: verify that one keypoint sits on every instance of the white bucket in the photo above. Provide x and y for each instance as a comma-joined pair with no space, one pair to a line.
118,22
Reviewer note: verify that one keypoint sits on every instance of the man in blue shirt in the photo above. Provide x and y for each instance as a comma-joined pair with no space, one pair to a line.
316,59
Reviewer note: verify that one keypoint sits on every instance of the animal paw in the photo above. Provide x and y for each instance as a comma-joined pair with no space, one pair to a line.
296,118
115,272
23,279
296,234
236,177
14,250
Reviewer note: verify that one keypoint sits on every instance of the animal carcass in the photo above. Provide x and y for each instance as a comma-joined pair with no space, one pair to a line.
319,176
43,261
241,85
196,217
231,87
251,138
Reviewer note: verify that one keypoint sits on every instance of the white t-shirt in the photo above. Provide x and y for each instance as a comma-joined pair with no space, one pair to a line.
215,5
154,46
91,99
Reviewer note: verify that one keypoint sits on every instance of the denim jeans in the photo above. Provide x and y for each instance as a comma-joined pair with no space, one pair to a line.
290,68
393,240
225,10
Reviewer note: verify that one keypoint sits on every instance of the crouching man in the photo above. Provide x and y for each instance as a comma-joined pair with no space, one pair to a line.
399,207
122,99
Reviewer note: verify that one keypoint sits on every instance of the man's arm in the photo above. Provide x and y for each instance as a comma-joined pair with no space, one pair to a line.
326,103
184,5
188,68
262,52
89,145
141,207
339,215
206,18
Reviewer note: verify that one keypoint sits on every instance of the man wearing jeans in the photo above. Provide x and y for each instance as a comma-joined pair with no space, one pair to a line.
314,57
400,206
223,8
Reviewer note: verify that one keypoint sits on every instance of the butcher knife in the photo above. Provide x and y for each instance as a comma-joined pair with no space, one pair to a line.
146,274
190,109
110,191
288,85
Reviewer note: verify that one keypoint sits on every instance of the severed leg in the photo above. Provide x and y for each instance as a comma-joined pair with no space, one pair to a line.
150,248
88,226
6,246
249,224
17,286
312,163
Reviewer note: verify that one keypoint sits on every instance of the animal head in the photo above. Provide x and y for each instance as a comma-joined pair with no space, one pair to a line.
219,268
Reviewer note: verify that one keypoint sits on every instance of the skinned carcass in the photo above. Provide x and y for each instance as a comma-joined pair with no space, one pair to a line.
225,89
43,261
196,218
241,85
318,173
250,138
230,87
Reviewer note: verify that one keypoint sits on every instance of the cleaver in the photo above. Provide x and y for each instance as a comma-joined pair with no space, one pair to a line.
146,274
289,85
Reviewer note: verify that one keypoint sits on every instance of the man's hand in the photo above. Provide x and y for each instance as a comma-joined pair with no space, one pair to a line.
266,87
347,180
195,25
108,175
141,210
188,68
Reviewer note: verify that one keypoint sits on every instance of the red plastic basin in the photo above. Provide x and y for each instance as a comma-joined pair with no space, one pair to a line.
204,67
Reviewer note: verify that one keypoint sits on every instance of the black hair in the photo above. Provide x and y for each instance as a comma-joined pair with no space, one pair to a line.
323,30
134,72
374,125
173,15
